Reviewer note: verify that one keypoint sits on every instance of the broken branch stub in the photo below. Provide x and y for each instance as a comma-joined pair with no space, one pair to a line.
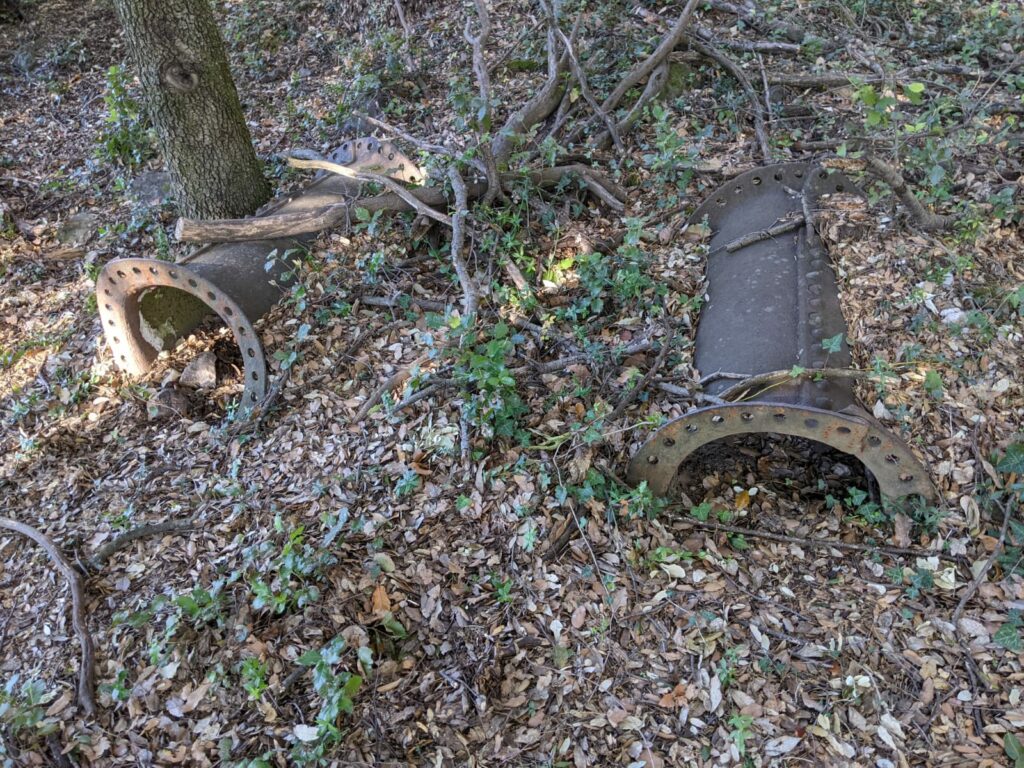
146,305
773,306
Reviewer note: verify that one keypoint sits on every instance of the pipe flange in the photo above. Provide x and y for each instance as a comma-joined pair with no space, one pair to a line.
119,289
895,467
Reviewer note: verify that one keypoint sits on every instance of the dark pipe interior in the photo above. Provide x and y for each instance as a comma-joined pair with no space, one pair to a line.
790,467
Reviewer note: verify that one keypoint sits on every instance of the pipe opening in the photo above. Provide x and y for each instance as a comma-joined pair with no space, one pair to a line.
780,466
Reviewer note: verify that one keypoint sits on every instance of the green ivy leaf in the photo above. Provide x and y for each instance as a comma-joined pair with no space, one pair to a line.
1013,460
1013,748
1008,636
833,343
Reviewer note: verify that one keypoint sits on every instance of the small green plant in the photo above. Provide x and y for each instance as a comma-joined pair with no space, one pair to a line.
254,677
637,502
701,512
857,504
1013,749
120,690
126,139
1008,635
493,403
286,579
23,715
336,691
502,589
408,483
740,733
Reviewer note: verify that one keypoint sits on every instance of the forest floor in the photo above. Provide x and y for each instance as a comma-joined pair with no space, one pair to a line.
517,605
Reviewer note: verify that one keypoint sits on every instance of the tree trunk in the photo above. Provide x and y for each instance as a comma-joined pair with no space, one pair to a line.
191,98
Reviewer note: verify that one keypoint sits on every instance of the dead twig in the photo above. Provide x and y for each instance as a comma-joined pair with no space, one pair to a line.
396,379
432,388
979,577
385,181
764,234
87,666
818,543
632,394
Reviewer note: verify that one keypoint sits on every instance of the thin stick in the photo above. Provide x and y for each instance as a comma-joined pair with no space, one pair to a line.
469,300
764,234
435,386
395,302
86,670
424,146
626,400
979,578
100,556
820,543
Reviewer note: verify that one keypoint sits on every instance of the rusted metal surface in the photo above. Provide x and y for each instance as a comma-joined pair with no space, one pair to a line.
145,305
773,302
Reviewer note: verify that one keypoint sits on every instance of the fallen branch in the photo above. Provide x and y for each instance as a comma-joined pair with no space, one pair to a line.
812,542
764,234
284,225
272,226
642,70
645,68
100,556
760,130
483,79
86,671
542,104
435,386
403,300
581,78
377,178
926,220
655,84
757,46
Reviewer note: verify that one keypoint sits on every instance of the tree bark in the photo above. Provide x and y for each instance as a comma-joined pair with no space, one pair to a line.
191,99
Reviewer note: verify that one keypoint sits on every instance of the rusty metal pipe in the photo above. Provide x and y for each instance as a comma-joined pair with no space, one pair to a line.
773,303
145,305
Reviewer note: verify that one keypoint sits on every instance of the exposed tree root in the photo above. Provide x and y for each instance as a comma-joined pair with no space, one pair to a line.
87,666
100,556
469,294
926,220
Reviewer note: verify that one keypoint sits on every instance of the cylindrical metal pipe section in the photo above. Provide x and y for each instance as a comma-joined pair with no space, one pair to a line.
773,306
145,305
